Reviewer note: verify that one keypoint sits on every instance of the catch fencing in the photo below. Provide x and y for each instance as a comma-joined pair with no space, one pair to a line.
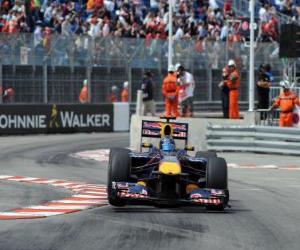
53,71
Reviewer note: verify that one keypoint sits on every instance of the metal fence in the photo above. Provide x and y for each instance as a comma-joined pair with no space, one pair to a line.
81,50
53,70
61,84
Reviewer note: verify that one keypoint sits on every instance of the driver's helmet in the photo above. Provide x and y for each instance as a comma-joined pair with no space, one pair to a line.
167,144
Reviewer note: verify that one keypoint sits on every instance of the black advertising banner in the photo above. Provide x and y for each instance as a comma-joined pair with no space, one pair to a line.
52,118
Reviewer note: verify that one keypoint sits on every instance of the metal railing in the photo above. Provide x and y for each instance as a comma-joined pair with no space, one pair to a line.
260,139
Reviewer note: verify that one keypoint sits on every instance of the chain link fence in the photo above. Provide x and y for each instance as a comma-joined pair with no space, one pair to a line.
52,69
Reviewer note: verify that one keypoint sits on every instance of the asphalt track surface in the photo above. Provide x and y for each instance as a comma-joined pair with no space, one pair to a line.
265,211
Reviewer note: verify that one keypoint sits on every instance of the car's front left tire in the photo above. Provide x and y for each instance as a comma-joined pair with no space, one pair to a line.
118,171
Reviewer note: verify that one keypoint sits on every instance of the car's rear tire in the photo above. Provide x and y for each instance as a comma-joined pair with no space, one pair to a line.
217,178
206,154
118,171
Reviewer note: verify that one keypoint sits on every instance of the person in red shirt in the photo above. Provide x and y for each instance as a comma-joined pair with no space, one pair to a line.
170,91
233,83
286,101
8,95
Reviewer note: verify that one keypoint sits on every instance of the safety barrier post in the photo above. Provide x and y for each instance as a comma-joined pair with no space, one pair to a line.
45,83
89,77
1,84
139,102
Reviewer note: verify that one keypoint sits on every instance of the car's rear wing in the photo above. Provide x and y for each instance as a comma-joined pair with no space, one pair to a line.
157,129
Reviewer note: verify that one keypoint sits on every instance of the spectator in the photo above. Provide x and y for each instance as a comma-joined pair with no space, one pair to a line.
148,94
186,92
225,92
200,20
263,88
269,73
8,95
38,35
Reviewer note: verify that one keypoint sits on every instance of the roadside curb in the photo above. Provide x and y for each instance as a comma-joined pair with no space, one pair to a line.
86,196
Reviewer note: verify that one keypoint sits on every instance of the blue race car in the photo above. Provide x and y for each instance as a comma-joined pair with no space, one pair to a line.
166,176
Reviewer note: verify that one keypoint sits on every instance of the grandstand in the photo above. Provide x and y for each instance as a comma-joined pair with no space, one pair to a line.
137,18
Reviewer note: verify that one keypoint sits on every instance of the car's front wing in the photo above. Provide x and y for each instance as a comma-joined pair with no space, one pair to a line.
207,197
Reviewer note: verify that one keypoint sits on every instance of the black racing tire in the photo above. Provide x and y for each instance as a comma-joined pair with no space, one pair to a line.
216,173
119,171
206,154
217,178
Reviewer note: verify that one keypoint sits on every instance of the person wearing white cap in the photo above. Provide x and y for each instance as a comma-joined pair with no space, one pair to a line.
170,91
83,97
124,94
286,101
113,97
233,83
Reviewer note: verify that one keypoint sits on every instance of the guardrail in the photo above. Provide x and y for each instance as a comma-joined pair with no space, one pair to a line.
267,117
259,139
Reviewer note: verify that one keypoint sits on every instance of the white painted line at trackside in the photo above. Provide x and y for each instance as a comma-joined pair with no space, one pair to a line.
248,189
3,177
30,214
49,207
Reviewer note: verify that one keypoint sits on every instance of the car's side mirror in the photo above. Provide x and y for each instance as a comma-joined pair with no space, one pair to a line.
147,145
189,148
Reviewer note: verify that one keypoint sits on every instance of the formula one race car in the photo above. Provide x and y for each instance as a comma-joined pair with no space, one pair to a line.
166,176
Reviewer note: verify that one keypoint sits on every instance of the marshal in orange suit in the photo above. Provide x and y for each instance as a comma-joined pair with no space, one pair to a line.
83,97
233,84
170,91
286,101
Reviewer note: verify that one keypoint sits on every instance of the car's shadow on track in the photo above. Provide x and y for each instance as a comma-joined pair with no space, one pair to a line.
180,210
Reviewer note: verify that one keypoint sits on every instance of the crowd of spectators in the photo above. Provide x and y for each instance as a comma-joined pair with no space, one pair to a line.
200,19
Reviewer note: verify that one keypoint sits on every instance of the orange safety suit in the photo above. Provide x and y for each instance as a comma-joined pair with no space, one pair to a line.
112,97
124,95
286,101
83,97
233,84
170,91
